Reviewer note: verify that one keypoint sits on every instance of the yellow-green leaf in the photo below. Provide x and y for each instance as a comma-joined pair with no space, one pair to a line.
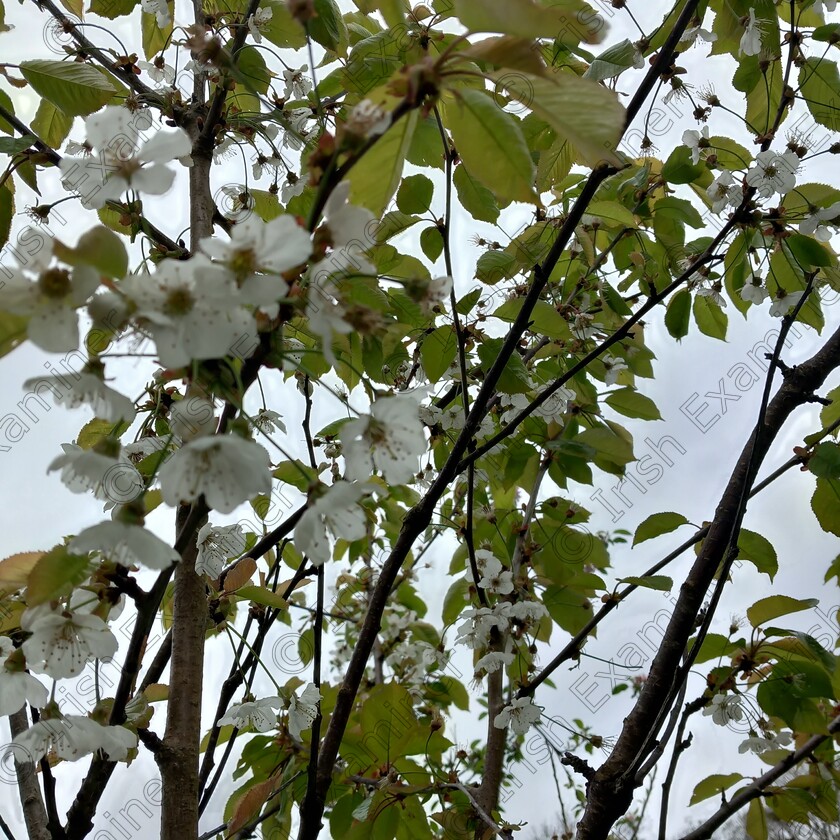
51,124
76,89
491,144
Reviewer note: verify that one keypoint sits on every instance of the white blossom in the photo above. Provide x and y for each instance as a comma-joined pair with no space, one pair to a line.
816,225
49,296
217,544
491,662
614,367
773,173
192,417
257,21
303,710
494,579
298,84
527,612
86,388
691,35
226,469
367,119
390,440
126,544
293,185
724,192
74,736
759,745
725,708
520,715
713,292
268,421
159,71
260,715
337,512
62,643
475,630
193,310
695,141
118,164
111,479
16,686
751,39
754,292
782,304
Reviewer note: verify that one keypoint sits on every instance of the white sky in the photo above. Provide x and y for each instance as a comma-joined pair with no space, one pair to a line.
41,511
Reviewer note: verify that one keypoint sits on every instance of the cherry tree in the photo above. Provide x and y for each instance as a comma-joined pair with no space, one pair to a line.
312,408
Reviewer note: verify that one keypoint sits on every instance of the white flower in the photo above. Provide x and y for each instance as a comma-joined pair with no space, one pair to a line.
723,192
75,149
192,417
338,512
691,35
292,186
390,440
614,367
159,71
555,405
725,708
754,292
239,201
268,421
751,39
266,165
712,292
584,327
520,715
62,643
111,479
491,662
298,84
217,545
142,448
73,737
303,710
17,688
782,304
773,172
158,8
118,164
256,248
830,5
527,612
493,578
474,632
814,225
226,469
193,311
297,132
694,141
257,21
349,225
260,715
760,745
86,388
367,119
126,544
49,297
325,311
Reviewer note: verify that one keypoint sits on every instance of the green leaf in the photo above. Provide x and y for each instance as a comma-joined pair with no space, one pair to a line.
826,504
713,785
455,600
282,29
606,443
56,573
585,113
772,607
657,524
819,82
76,89
100,248
569,21
415,194
12,327
631,403
261,595
7,211
678,315
51,124
612,62
758,550
477,200
155,39
756,823
679,169
661,583
375,178
112,9
710,318
491,144
297,474
808,251
12,145
431,241
328,27
438,351
493,266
